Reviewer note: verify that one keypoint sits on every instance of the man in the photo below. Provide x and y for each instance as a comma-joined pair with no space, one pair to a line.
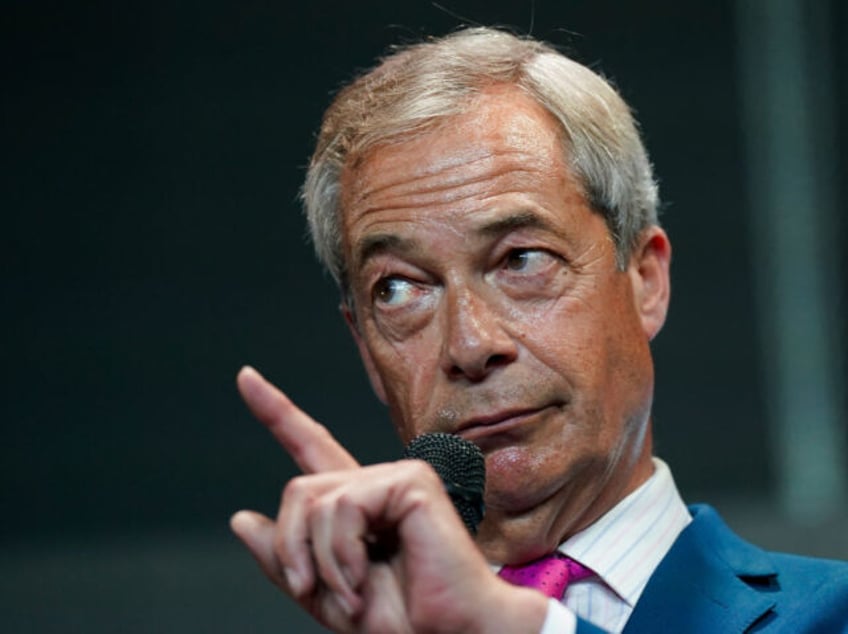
489,212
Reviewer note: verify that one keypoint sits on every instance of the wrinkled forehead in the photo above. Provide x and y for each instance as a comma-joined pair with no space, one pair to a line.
502,129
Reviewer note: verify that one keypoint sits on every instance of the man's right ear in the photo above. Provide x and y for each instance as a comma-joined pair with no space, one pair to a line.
364,353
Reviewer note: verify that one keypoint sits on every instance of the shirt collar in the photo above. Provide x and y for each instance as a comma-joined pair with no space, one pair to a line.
626,544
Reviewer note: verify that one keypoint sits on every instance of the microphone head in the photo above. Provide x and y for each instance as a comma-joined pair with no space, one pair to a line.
461,466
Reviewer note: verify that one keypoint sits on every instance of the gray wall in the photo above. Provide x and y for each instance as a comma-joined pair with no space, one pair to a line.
152,244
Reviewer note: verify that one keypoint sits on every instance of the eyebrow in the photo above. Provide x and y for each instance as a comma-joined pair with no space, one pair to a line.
519,220
381,243
376,244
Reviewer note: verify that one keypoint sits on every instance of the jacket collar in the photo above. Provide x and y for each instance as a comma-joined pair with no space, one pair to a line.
705,582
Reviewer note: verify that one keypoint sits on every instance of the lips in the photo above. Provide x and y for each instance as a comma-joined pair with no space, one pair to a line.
500,422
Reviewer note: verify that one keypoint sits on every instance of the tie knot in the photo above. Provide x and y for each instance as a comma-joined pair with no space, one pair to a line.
550,574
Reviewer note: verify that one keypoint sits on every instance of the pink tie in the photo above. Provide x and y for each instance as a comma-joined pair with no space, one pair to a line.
550,574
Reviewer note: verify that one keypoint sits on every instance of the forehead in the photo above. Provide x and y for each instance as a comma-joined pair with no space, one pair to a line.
504,140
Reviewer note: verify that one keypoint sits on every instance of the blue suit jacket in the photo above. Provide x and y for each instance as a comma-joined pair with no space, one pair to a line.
711,581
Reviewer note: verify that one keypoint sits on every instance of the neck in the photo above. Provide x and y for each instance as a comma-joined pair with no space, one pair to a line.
516,538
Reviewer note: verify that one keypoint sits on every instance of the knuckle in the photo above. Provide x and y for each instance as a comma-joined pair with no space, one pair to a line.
295,489
421,471
322,508
345,502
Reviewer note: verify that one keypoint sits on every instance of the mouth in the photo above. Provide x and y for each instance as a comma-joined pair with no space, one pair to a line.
480,427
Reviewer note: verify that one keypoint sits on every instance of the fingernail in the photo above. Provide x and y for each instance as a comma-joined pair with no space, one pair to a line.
293,580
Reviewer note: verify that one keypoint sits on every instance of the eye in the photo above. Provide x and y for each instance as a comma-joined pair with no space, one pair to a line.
394,291
527,260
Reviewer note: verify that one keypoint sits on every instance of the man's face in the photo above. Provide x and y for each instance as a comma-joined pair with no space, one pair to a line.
488,304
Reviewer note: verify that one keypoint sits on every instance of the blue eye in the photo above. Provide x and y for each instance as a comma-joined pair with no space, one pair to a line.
394,291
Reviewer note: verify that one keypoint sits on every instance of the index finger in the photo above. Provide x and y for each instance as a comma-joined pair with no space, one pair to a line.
308,442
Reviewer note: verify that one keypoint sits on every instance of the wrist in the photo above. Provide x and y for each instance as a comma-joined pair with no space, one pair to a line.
511,609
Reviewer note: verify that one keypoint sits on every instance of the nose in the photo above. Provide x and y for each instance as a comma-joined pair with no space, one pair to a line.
475,340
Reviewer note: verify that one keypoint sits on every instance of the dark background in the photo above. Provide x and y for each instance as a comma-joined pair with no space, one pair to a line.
152,243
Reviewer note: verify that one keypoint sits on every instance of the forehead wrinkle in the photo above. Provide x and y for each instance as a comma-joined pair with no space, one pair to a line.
473,198
416,187
469,188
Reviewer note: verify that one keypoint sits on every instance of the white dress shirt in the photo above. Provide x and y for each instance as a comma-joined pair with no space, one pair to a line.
623,547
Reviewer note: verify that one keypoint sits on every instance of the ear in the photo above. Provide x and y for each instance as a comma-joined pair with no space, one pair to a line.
649,276
364,353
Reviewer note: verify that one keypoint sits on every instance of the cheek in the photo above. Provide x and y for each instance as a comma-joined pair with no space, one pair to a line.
409,372
566,336
599,348
626,376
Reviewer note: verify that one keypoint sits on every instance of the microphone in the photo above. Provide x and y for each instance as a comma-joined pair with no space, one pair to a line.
462,468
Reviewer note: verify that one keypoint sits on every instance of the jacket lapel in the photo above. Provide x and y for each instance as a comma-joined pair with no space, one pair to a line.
705,582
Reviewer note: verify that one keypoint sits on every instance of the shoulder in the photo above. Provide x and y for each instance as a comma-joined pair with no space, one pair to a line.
815,572
712,580
808,591
709,533
802,589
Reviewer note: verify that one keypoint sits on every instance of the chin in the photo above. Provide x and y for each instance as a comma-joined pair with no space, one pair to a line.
513,485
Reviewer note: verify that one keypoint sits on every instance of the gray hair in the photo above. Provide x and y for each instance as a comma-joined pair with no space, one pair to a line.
418,87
